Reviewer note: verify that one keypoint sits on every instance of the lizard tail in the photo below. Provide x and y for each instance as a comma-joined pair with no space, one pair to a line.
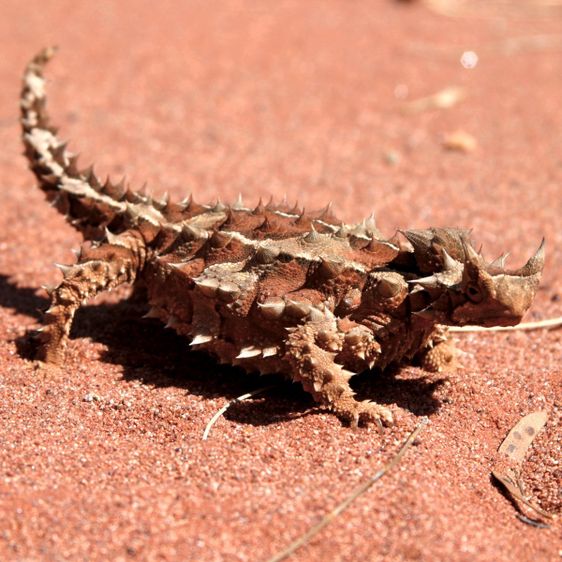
89,204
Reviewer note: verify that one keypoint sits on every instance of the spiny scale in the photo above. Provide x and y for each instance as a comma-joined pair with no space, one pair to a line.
272,288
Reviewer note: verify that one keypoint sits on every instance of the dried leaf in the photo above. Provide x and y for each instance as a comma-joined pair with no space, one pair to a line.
519,439
514,447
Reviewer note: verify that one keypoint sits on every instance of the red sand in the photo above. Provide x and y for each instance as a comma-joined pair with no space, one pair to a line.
103,460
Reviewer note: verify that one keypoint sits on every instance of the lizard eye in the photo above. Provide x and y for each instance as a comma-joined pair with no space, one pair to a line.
474,294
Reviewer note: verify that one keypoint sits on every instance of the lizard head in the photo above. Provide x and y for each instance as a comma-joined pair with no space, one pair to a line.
460,287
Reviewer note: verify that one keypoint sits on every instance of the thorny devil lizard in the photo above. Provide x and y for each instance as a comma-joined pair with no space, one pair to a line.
270,289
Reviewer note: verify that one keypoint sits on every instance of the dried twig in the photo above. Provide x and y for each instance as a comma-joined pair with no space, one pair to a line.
361,489
241,398
540,324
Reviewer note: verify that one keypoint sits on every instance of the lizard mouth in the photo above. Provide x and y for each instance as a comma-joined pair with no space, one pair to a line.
500,320
497,317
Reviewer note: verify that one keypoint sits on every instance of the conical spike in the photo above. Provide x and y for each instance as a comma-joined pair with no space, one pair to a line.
110,237
426,314
359,242
342,231
92,179
431,282
201,339
247,352
193,233
272,308
152,313
143,191
270,351
122,184
59,153
219,206
221,239
208,286
267,255
448,261
228,292
87,172
72,168
295,210
315,315
56,200
49,289
297,309
500,261
326,212
238,205
331,267
186,202
471,255
260,208
161,203
266,225
535,264
419,239
49,178
312,237
66,269
173,322
177,265
370,224
302,218
388,287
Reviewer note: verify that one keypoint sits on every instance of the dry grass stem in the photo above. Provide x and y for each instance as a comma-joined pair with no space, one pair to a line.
359,490
241,398
541,324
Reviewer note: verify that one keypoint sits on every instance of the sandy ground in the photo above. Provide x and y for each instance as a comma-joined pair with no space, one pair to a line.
104,460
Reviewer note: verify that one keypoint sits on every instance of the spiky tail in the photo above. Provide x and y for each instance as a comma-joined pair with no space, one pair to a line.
89,205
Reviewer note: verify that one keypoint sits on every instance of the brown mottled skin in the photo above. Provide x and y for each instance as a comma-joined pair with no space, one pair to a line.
271,289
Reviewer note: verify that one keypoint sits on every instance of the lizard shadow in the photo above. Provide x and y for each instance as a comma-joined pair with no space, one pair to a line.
159,357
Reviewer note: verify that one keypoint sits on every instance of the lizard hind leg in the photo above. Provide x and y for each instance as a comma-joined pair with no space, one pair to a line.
101,268
327,381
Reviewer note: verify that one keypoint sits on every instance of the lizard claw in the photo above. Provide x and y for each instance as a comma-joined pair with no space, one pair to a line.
364,413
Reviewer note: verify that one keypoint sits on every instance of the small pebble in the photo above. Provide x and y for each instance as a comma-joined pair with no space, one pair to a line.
460,141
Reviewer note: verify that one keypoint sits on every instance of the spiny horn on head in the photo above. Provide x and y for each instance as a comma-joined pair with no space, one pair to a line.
449,263
535,264
470,254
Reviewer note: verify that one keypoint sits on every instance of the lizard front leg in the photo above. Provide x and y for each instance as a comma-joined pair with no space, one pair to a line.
313,365
98,269
439,353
